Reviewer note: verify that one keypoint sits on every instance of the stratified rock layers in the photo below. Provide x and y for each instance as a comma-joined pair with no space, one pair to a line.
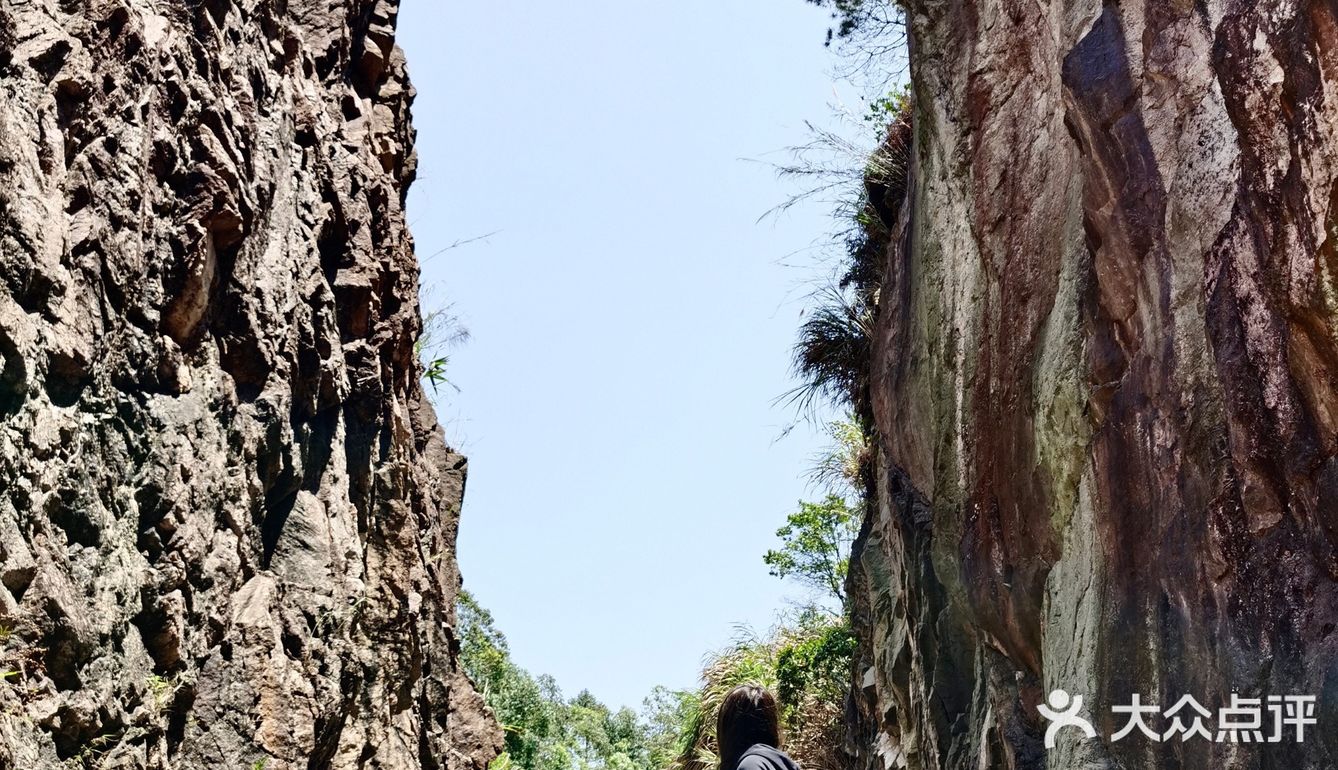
1104,384
227,515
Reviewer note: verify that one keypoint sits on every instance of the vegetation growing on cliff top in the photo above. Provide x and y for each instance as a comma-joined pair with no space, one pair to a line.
870,34
833,351
860,19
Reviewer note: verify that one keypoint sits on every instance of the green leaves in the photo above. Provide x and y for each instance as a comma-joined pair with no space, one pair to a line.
893,106
442,330
816,661
542,729
670,719
849,15
816,545
434,371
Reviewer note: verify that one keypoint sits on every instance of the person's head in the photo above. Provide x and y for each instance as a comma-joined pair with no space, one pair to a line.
748,716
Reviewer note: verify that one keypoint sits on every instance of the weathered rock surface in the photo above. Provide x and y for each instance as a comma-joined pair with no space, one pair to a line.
227,514
1105,384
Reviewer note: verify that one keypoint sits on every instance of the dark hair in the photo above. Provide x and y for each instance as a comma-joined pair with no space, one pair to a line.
748,716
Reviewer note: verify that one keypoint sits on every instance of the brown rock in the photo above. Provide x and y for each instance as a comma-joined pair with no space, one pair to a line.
1104,384
227,514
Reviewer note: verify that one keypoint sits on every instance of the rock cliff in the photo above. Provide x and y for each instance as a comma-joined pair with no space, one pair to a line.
1104,384
227,514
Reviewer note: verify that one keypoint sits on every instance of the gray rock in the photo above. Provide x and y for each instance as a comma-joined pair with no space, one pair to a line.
227,513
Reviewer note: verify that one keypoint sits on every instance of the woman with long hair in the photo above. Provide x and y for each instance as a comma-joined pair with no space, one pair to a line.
747,730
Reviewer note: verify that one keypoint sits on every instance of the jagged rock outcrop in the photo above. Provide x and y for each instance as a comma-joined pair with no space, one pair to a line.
227,514
1104,384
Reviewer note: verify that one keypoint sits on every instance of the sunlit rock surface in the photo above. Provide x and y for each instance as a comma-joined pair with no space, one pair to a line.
1105,384
227,515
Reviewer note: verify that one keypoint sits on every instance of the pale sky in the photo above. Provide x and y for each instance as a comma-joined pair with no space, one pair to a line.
631,319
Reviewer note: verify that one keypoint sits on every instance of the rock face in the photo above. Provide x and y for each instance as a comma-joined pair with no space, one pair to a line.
227,514
1105,385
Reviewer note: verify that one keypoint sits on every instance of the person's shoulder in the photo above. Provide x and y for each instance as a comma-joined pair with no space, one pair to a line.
763,757
755,762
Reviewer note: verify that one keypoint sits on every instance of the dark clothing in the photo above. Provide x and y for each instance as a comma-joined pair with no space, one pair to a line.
760,756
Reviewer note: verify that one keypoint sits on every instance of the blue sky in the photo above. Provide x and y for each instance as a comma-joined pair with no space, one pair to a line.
631,319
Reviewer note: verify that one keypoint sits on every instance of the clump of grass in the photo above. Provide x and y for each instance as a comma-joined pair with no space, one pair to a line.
335,620
442,331
843,465
162,689
834,347
90,753
834,350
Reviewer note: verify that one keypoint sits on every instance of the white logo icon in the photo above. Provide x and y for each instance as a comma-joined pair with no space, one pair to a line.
1063,712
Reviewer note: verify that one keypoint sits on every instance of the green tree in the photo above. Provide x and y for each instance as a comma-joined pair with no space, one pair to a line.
543,730
528,709
815,660
667,714
815,548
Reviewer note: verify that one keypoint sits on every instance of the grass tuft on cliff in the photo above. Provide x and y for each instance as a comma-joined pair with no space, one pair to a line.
834,350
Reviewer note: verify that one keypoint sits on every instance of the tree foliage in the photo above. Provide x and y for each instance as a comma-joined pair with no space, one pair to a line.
544,730
849,16
815,662
816,545
668,715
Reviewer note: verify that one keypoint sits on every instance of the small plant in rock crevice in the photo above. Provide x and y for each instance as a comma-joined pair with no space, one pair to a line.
160,690
336,619
442,331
